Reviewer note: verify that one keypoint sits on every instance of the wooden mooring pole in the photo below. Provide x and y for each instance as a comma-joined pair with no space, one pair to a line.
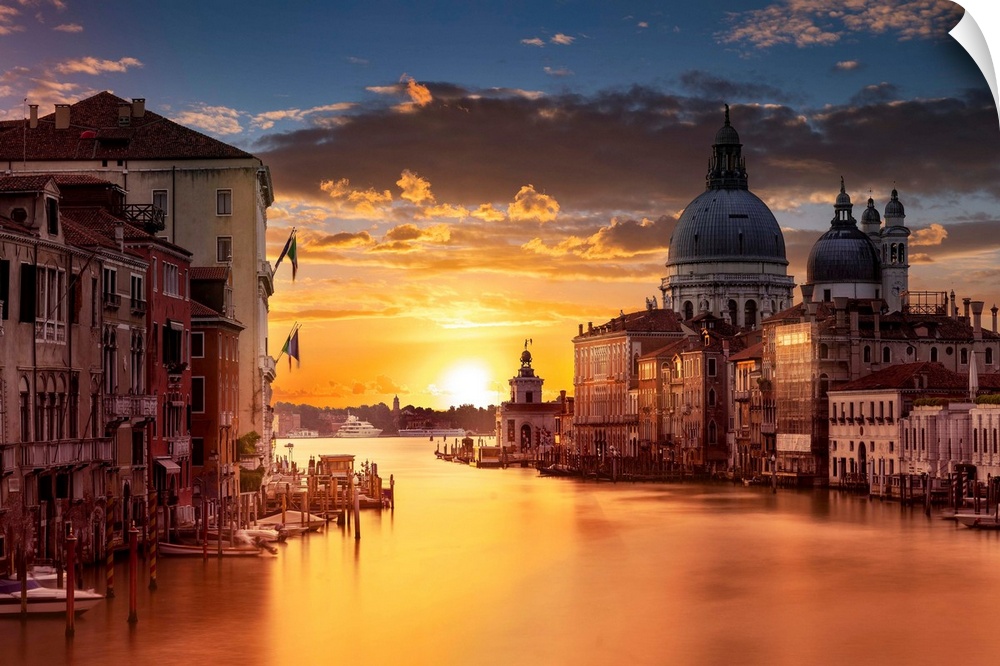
70,581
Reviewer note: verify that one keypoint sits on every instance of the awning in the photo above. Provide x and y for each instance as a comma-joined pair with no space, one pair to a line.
169,465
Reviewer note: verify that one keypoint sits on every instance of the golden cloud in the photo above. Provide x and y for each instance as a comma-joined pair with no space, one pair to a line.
532,206
91,65
415,189
444,210
488,213
366,203
932,235
342,239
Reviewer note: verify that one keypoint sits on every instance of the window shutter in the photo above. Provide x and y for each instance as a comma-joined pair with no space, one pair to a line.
5,286
27,293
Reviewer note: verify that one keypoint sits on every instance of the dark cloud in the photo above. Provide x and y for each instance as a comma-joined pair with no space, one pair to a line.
709,86
641,152
877,93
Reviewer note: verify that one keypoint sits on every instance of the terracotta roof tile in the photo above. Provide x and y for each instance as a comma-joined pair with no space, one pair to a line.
904,376
209,273
94,134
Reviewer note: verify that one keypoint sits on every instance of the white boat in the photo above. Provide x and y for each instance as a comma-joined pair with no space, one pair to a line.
432,432
197,549
293,521
43,599
302,433
355,427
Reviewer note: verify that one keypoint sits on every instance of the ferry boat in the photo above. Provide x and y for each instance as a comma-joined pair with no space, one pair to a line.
355,427
432,432
302,433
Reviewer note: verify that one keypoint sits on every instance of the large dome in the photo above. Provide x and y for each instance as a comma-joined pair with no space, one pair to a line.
727,225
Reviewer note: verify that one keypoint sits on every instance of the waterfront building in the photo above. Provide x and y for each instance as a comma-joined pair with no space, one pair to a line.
72,362
816,347
660,398
215,386
213,197
527,425
727,252
751,442
606,377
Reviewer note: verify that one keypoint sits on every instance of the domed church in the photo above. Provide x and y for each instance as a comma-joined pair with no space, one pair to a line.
867,262
727,253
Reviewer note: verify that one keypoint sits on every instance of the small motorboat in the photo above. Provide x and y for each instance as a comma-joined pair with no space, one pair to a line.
978,521
43,599
293,519
212,550
558,469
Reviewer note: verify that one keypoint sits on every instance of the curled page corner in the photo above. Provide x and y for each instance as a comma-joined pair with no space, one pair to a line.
973,39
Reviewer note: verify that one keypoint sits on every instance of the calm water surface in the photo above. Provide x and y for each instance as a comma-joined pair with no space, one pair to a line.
505,567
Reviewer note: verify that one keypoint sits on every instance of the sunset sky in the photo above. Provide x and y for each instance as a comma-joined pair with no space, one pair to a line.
464,176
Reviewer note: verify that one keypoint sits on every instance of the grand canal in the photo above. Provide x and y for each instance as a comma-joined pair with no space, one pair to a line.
502,566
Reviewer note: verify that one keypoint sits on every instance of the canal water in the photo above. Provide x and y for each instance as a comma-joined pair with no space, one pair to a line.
505,567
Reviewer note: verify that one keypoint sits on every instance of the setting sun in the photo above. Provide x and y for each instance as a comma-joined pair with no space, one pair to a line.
468,383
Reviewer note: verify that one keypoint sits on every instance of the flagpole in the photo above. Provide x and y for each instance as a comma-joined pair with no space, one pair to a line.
296,326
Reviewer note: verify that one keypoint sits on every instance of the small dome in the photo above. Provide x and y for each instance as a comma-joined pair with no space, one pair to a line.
843,254
525,357
727,134
871,216
843,199
895,207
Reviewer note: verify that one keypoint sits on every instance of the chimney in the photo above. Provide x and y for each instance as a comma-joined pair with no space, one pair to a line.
33,118
954,305
120,235
124,115
977,320
840,305
138,107
807,293
590,327
965,308
581,330
994,310
62,116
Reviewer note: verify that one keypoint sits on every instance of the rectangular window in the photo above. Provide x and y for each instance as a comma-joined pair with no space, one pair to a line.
198,453
52,215
4,288
170,280
223,202
50,304
75,298
197,344
711,367
223,249
510,430
137,295
27,302
160,200
172,332
198,395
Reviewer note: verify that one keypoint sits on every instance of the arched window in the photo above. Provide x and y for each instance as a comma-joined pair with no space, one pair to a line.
934,355
711,432
733,309
886,355
688,310
24,409
866,354
711,398
750,314
902,253
824,350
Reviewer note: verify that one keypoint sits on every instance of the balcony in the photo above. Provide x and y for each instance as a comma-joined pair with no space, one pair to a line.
179,448
741,396
124,407
147,216
111,301
225,419
137,306
768,428
65,453
268,367
265,276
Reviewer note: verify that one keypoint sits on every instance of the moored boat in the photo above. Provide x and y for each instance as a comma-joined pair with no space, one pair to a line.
432,432
212,550
42,600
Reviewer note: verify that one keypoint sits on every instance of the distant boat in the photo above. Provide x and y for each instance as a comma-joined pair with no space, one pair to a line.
432,432
355,427
302,433
211,550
